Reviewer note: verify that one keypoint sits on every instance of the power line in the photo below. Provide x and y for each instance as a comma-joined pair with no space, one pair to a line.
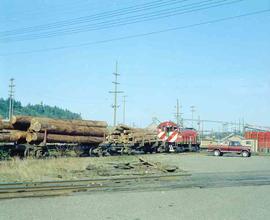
39,9
143,34
11,98
157,2
121,22
49,12
115,92
99,16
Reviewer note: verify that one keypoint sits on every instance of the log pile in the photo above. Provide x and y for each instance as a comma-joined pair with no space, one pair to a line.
21,122
59,138
8,134
35,130
123,134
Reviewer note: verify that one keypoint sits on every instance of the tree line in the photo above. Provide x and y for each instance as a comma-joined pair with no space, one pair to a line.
36,110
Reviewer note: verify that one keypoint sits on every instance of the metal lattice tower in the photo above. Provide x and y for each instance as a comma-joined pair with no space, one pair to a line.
124,108
11,98
192,108
115,92
178,114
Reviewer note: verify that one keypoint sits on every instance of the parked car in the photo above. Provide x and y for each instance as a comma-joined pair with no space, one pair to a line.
232,147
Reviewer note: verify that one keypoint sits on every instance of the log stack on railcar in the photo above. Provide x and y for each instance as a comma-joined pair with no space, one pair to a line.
12,139
36,136
66,131
127,140
39,133
10,134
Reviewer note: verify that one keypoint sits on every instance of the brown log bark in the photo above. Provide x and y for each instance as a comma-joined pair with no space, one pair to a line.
6,125
140,135
13,136
116,132
121,128
57,138
21,122
138,140
86,123
90,123
63,127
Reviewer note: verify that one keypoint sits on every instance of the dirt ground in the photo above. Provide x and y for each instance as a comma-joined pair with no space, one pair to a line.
78,168
17,170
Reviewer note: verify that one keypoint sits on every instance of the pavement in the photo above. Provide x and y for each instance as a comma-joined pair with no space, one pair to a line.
219,188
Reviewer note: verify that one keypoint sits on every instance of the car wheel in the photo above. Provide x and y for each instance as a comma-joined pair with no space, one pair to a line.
217,153
245,154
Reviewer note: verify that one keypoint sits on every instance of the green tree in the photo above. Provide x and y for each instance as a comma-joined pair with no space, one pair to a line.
36,110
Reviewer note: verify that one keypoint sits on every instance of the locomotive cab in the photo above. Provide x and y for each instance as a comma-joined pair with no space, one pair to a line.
167,127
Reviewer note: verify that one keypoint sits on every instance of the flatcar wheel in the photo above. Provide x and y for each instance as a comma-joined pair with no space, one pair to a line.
27,152
78,152
122,151
106,153
91,153
100,152
128,151
38,153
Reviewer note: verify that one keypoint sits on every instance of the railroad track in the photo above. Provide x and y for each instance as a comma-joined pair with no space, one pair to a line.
55,188
134,183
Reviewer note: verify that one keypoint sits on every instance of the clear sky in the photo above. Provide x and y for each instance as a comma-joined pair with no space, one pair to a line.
221,68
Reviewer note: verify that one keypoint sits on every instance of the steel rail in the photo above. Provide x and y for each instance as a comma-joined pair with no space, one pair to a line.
93,180
52,188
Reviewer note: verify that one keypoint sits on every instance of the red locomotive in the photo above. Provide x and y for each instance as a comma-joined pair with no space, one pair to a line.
176,139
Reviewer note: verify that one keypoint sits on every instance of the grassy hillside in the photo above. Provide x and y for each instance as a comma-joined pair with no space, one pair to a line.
36,110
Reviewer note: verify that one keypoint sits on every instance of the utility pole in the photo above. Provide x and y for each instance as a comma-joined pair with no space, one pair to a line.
115,92
192,108
179,119
11,97
202,127
199,123
178,114
244,126
124,109
199,127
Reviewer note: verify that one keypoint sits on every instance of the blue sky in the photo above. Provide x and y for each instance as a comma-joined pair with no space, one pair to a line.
222,68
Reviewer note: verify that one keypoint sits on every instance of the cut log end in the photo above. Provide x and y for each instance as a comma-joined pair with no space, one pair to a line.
35,125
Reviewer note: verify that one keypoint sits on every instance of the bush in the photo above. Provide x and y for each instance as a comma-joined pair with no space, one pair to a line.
4,155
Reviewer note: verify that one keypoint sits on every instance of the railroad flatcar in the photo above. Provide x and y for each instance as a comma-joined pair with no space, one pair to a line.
168,137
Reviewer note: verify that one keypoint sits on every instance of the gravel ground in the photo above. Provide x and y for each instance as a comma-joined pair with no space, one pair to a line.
249,202
204,162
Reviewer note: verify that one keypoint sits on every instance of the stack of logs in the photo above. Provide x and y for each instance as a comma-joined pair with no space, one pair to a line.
8,134
35,130
123,134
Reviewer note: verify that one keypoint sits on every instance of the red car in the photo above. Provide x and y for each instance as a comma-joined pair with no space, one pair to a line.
232,147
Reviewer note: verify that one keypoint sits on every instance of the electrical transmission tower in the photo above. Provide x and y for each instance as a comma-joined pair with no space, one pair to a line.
11,98
192,108
124,108
115,92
